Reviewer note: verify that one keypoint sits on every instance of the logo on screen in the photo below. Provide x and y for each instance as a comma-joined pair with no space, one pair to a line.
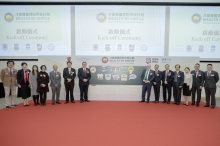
213,48
104,59
188,48
201,48
196,18
131,47
16,46
101,17
28,46
9,17
4,46
143,47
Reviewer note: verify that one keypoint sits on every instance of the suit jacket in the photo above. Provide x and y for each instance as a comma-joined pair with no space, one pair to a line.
199,80
55,79
42,78
169,77
82,76
211,81
150,76
67,75
180,78
157,77
20,75
8,79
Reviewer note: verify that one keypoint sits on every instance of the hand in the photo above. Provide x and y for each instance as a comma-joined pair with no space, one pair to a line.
155,83
69,80
19,86
190,88
56,85
85,80
42,85
165,82
200,87
180,86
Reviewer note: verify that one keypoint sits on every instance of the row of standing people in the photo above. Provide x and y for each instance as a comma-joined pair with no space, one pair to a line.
35,83
191,83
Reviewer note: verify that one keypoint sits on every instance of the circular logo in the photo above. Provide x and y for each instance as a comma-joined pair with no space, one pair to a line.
51,47
213,48
104,59
196,18
4,46
188,48
93,69
9,17
101,17
28,46
201,48
143,47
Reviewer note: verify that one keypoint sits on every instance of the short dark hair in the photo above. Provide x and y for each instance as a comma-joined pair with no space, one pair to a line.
43,66
23,63
177,65
167,64
69,62
156,65
84,62
10,61
209,64
197,64
187,68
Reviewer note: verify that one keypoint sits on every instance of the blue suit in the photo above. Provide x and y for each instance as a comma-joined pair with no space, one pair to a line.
147,86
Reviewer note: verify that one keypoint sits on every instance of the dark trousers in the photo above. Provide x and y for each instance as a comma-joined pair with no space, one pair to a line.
36,99
210,92
69,89
177,93
198,91
167,88
157,91
146,87
43,97
84,91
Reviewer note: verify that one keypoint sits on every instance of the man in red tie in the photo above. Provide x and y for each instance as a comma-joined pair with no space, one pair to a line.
84,76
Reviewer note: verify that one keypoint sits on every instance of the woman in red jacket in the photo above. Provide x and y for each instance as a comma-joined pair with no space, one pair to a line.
42,84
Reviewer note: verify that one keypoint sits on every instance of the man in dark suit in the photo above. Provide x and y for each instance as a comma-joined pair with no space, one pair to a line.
167,76
178,81
69,75
147,78
157,83
211,77
198,81
84,76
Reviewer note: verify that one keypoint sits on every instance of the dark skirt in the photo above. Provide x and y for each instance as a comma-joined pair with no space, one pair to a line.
24,91
186,91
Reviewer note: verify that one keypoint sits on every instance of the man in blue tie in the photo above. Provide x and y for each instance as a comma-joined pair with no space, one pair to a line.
147,78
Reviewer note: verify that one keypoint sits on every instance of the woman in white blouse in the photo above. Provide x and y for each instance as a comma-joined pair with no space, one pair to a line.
187,86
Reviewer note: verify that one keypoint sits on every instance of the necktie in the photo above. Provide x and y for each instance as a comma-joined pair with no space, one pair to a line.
84,70
10,72
208,73
166,75
176,76
25,76
146,75
196,74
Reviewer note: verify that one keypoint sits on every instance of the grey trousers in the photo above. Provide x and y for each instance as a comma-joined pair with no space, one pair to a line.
55,91
10,100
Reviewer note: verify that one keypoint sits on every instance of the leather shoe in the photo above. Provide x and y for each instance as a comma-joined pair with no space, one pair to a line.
177,103
207,105
147,101
157,101
66,102
58,102
81,101
168,102
141,101
87,100
213,107
164,102
197,104
53,103
193,103
73,101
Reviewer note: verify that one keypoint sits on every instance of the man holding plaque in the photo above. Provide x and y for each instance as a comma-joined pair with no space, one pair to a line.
147,78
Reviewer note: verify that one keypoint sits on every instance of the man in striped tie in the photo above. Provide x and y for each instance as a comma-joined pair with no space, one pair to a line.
147,78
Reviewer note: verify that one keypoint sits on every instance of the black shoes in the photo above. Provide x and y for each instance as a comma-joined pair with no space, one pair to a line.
213,107
207,105
87,100
147,101
14,105
81,101
58,102
141,101
66,102
197,104
7,107
73,101
164,101
193,103
168,102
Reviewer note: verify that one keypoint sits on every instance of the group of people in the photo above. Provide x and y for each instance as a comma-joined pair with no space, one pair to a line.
35,83
190,82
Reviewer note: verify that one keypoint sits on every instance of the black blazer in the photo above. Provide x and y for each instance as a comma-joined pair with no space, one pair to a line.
199,81
67,75
157,77
180,78
211,81
20,75
169,77
82,76
150,76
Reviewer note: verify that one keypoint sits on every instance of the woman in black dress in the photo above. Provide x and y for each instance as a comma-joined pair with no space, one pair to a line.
23,83
42,84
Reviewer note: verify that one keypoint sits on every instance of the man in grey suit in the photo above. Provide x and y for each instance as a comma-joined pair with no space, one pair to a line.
55,79
198,81
211,77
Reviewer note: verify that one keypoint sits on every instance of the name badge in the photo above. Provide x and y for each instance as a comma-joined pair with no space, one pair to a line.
199,75
57,75
178,75
158,74
87,71
212,75
150,73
